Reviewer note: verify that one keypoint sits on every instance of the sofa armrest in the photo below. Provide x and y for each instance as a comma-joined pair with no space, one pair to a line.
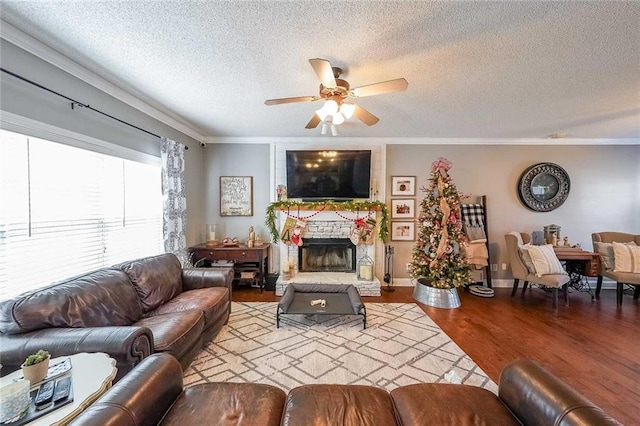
128,345
141,398
195,278
535,396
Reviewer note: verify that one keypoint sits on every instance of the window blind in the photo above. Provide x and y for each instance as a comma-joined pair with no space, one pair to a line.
66,211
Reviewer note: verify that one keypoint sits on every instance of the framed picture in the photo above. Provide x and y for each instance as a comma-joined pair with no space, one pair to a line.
403,231
403,185
236,195
403,208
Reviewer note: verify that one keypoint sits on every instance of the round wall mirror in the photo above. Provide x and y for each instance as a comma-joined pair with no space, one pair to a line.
544,187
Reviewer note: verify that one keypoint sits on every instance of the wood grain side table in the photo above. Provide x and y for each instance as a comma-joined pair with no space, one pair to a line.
244,258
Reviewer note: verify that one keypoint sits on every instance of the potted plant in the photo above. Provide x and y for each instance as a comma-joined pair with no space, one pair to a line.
438,262
36,366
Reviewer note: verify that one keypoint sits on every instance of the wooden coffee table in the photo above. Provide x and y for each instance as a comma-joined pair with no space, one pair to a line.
91,376
339,300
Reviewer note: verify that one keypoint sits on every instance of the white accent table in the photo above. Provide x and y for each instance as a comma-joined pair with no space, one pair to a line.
92,374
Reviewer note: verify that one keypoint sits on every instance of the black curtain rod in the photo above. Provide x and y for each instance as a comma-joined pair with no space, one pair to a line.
80,104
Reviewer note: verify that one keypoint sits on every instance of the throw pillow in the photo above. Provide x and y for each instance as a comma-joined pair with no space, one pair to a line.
627,258
523,251
605,250
545,260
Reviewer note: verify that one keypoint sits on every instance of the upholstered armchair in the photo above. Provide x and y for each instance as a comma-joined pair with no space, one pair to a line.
517,251
622,271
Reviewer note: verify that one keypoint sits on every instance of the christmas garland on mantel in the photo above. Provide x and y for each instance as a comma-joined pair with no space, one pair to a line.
328,205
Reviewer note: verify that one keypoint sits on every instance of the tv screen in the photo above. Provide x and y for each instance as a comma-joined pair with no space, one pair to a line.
338,175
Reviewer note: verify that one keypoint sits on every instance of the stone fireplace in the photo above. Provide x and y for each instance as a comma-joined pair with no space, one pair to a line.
327,255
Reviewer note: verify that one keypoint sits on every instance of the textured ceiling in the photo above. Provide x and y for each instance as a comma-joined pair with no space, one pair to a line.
475,69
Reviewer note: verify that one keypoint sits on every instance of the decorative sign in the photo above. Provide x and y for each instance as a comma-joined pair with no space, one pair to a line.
236,196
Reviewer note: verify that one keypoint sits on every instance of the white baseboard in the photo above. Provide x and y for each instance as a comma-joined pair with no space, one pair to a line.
505,283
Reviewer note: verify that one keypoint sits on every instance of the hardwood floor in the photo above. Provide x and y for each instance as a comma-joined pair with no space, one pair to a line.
592,345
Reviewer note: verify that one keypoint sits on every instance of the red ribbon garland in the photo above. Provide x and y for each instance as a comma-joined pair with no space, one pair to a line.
323,208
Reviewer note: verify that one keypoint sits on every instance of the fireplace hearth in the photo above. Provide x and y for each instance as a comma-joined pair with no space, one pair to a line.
327,255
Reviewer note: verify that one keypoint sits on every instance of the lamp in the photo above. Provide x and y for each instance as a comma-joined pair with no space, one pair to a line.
333,113
347,110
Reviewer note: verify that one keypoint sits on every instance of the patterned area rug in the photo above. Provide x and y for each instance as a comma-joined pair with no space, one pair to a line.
401,345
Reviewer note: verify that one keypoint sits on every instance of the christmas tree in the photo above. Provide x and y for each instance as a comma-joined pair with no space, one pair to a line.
438,255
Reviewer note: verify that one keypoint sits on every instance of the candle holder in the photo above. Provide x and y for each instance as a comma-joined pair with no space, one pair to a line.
211,235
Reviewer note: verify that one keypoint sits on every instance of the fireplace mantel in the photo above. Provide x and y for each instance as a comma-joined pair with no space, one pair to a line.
328,206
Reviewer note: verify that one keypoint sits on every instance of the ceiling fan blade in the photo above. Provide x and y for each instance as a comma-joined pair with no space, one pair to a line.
365,116
397,85
323,70
291,100
313,123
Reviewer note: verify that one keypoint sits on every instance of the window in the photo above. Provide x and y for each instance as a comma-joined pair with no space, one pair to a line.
65,211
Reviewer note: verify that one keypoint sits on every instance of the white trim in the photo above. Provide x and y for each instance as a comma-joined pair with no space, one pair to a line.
27,126
414,141
44,52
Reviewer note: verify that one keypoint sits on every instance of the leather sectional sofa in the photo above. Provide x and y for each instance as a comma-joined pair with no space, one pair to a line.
153,394
128,311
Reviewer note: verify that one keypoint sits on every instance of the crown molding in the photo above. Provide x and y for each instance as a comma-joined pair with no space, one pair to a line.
417,141
24,41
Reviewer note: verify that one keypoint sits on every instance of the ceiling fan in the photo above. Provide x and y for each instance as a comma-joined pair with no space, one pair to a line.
336,92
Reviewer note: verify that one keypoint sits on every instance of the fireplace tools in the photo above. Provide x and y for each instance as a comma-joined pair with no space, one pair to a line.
388,268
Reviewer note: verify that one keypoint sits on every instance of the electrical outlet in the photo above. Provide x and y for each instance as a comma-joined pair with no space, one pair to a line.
407,267
494,267
504,266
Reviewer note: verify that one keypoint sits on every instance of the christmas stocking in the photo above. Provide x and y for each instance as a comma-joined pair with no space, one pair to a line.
287,230
366,235
296,236
356,231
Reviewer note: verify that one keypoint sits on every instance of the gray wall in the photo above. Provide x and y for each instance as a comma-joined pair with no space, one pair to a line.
604,196
605,188
238,160
23,99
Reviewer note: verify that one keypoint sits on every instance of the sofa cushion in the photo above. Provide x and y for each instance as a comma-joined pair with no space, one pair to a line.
449,404
627,258
175,333
338,405
240,404
213,302
157,279
97,299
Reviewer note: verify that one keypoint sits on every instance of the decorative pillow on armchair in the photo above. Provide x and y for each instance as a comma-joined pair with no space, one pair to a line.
523,251
627,258
605,250
545,260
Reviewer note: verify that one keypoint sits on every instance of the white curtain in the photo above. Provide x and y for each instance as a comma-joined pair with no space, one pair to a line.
175,200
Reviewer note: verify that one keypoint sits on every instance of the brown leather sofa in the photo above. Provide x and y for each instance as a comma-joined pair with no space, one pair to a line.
128,311
153,394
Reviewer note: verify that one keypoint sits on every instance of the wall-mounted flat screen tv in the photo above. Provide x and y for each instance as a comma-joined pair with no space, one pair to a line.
337,175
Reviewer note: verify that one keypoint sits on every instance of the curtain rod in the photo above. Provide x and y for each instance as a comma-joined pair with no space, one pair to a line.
80,104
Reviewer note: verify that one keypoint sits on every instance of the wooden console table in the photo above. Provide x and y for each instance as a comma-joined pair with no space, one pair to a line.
245,259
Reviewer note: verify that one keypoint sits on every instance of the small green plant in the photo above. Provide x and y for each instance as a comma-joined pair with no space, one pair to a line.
36,358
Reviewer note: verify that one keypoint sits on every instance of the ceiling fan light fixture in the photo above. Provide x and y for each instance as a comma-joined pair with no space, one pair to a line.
334,130
347,109
325,127
331,106
337,119
322,114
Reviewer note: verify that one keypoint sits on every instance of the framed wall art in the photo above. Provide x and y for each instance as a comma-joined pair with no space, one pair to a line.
403,208
236,195
403,231
403,185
